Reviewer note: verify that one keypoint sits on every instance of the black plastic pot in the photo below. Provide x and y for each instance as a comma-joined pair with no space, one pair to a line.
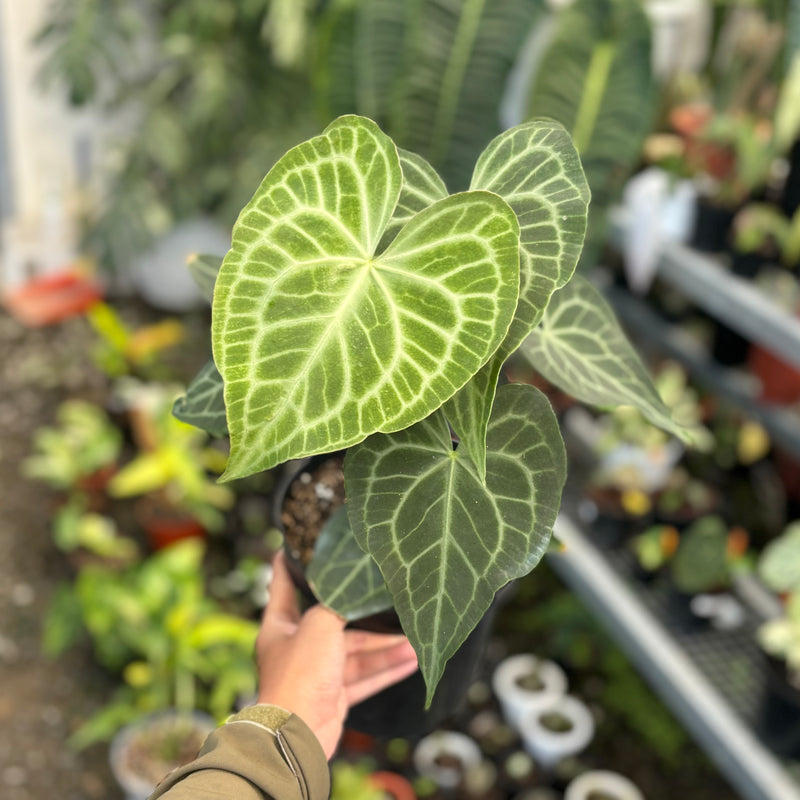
400,709
712,227
778,724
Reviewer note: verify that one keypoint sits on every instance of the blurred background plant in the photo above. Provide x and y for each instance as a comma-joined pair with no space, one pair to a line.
154,623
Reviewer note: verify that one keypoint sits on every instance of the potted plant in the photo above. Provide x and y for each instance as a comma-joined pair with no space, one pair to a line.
146,750
171,474
79,453
653,548
362,309
602,785
88,537
153,623
708,554
558,729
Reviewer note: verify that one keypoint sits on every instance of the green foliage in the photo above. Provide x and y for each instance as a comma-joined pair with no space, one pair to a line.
351,782
210,93
701,562
780,637
430,72
779,564
83,442
153,622
361,307
74,528
174,462
594,77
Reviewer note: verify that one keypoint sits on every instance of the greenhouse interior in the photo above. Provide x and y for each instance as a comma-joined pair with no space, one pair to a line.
507,507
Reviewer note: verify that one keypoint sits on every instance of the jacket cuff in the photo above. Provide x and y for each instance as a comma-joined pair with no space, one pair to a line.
271,749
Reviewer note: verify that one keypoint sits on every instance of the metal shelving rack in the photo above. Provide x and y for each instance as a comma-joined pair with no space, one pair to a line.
707,714
694,676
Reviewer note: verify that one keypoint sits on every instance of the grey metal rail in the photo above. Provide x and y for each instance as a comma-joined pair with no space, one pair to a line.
744,761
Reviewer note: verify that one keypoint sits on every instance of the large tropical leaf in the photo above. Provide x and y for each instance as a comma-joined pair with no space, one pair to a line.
432,72
203,405
422,187
535,169
344,577
581,348
319,341
595,78
444,542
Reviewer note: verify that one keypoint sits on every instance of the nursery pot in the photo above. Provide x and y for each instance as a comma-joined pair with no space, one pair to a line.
712,226
778,724
399,710
602,783
445,757
557,729
165,526
523,683
135,765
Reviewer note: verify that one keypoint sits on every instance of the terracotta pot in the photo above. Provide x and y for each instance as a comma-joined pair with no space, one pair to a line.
780,382
398,787
49,299
165,526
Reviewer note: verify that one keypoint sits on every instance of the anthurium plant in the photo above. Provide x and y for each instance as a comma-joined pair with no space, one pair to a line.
362,307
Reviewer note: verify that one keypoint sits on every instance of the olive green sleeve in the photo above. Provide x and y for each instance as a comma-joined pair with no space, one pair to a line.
261,753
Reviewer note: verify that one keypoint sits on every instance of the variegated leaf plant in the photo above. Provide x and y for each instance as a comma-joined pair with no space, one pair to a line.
362,307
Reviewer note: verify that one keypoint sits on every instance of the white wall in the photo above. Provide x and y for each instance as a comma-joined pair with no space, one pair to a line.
50,153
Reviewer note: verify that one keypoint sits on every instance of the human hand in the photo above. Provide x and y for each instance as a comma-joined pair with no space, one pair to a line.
310,665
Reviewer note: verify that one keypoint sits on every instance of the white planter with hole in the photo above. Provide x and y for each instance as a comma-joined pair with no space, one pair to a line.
604,783
523,682
557,729
432,753
138,770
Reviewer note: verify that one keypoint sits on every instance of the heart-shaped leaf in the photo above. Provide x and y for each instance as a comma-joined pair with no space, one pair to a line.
422,187
203,405
534,167
344,577
204,269
581,348
444,542
321,343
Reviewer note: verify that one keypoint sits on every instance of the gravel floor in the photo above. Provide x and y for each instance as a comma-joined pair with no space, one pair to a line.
41,701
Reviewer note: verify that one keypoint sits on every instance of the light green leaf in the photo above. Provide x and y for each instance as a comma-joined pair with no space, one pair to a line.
204,269
343,576
469,410
534,167
444,542
422,187
581,348
320,343
203,405
779,565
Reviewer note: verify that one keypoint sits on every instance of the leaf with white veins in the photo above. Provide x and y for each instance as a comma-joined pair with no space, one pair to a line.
342,576
319,341
581,348
446,543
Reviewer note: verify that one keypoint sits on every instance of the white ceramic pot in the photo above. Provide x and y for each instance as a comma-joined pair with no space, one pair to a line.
446,743
516,701
548,746
135,785
610,784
